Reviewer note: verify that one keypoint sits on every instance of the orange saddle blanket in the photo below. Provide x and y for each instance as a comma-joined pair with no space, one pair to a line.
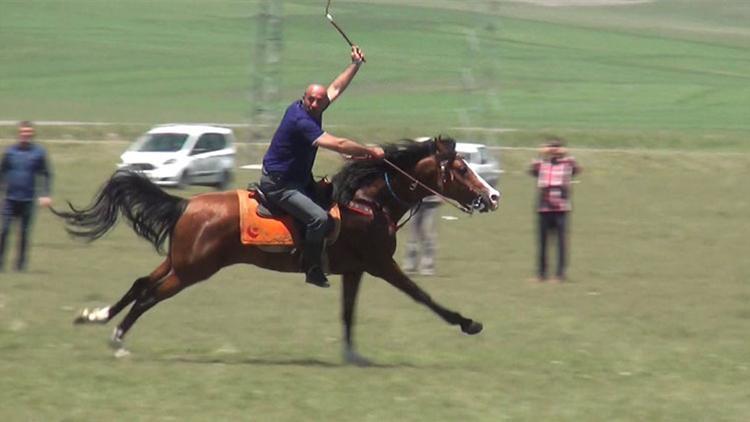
276,231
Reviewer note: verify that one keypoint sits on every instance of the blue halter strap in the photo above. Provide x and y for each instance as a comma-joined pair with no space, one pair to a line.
390,189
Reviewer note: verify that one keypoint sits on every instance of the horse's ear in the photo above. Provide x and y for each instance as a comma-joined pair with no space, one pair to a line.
445,144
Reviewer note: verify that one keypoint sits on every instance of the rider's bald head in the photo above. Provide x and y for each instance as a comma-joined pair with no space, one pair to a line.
315,89
315,99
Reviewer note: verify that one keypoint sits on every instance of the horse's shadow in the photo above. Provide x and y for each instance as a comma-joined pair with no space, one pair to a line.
257,361
235,360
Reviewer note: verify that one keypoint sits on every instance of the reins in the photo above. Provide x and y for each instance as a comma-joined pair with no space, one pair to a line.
412,209
429,189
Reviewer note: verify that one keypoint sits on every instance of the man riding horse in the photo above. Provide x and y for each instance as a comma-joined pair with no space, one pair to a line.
205,235
287,165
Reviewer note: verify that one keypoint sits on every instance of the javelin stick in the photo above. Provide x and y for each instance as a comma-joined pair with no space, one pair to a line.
338,28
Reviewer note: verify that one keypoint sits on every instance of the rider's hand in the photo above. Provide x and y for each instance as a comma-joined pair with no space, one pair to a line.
376,153
358,56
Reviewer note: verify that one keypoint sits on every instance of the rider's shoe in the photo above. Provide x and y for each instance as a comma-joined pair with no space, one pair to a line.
316,276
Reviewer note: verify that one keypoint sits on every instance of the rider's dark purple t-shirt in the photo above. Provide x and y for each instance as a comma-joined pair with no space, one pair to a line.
292,153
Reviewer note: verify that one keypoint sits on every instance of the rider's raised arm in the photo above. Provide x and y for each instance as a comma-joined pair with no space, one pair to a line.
339,84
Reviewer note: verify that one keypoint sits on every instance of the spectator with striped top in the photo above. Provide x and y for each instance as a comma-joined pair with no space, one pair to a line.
554,171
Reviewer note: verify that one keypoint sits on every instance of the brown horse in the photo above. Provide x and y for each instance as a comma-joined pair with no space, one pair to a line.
204,230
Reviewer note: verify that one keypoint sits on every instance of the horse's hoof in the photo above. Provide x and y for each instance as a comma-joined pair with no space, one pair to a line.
94,315
115,342
122,353
354,358
472,328
82,317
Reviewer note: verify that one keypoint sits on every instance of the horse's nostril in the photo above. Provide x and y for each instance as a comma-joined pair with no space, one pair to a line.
495,197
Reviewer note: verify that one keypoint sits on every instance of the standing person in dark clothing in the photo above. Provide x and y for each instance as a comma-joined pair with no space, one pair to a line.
22,162
554,171
287,166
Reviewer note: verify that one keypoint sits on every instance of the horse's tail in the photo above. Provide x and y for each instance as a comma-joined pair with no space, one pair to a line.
151,212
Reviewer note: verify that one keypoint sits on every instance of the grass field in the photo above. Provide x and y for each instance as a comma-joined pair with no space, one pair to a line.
652,326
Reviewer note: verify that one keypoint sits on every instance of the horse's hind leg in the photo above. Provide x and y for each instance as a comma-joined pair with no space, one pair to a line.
166,288
139,287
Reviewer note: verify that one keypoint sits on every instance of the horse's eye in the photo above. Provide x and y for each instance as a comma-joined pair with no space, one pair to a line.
463,170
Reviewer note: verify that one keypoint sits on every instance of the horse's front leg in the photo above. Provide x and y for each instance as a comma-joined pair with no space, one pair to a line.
391,272
350,285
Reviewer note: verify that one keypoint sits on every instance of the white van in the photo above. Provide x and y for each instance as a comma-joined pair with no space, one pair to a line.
182,155
478,158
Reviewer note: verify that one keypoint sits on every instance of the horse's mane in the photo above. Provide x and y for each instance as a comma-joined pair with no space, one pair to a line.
404,154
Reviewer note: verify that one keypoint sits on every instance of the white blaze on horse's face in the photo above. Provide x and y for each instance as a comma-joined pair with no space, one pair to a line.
493,195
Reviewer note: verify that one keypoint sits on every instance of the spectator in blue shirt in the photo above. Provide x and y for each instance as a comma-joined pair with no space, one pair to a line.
287,165
22,163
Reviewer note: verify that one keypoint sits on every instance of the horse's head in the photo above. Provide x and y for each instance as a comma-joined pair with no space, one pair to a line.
449,174
412,170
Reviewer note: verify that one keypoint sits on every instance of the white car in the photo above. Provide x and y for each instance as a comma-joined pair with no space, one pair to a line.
478,158
182,155
481,161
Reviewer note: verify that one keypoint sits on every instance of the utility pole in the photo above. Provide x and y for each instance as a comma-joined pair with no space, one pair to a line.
480,79
266,68
492,65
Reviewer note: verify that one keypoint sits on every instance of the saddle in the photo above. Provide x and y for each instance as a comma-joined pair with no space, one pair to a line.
263,224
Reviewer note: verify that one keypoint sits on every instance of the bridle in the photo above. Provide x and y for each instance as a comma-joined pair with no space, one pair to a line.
444,173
